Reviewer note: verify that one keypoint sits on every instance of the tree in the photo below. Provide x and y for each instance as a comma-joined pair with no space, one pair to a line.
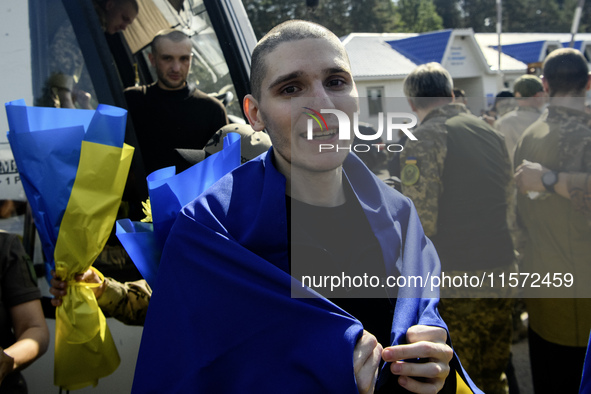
373,16
480,15
265,14
450,12
340,16
347,16
534,15
418,16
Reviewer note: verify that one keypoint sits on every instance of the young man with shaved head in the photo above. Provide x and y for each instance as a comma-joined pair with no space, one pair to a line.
235,316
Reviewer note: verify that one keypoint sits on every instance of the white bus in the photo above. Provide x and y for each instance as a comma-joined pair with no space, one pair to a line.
222,43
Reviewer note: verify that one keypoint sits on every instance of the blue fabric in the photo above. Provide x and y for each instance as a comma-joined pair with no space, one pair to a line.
586,379
222,318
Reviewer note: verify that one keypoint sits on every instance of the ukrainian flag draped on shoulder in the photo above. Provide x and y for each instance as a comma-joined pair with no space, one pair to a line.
224,315
73,165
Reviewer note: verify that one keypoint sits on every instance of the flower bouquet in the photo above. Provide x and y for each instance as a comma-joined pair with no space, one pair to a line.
73,165
168,194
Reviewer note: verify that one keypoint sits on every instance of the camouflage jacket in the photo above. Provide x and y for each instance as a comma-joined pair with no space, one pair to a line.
430,154
127,302
422,164
574,152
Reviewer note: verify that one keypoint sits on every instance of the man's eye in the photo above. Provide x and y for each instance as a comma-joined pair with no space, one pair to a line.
335,82
289,90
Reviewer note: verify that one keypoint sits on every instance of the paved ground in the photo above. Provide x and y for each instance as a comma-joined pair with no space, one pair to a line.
522,369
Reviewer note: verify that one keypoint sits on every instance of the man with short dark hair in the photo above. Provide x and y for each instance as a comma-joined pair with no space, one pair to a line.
246,324
170,113
554,158
531,99
457,173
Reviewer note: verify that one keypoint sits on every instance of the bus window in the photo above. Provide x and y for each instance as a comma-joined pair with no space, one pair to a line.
63,79
209,71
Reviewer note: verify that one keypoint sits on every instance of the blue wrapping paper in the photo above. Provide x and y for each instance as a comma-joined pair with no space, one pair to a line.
46,144
168,194
74,167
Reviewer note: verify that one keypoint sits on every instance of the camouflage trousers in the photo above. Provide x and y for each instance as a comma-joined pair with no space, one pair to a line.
481,334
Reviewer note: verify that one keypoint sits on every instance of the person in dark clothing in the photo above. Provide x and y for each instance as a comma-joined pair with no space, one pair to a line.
170,113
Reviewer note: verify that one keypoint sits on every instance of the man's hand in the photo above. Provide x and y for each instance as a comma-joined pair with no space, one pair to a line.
6,364
428,344
82,98
59,287
528,177
366,360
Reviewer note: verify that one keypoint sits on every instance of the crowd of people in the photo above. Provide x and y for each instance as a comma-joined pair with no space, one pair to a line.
498,194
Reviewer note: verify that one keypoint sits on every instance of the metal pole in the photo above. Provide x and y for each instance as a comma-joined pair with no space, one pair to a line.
499,29
576,19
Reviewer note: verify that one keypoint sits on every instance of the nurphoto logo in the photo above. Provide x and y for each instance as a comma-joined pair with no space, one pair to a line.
392,123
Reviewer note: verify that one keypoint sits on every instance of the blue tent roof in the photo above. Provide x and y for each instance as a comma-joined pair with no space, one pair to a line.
527,52
577,44
424,48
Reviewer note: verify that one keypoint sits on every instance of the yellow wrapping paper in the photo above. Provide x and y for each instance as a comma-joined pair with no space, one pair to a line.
84,348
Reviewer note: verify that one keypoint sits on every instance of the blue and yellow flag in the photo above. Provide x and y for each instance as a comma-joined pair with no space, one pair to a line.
73,165
224,298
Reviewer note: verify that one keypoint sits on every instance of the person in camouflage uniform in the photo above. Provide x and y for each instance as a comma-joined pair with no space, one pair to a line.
127,302
531,99
554,157
458,175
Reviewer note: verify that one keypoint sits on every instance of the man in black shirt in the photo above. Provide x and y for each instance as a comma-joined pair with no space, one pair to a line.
169,113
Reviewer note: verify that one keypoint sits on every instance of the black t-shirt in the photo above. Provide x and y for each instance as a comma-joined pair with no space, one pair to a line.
165,120
339,241
17,286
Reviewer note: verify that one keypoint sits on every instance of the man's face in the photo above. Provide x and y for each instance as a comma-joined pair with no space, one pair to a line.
316,73
119,16
172,62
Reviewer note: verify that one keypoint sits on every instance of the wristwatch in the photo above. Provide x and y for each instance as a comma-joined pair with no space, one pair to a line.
549,179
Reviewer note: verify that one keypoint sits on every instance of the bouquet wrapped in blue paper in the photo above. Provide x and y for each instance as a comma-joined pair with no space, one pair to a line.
168,194
73,165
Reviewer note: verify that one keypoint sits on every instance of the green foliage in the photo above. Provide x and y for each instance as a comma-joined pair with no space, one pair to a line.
340,16
418,16
380,16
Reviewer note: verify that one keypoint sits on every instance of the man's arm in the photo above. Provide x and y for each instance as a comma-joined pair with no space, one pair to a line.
127,302
573,186
428,344
421,164
31,334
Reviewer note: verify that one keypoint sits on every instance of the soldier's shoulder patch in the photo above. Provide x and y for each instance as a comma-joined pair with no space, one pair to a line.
410,173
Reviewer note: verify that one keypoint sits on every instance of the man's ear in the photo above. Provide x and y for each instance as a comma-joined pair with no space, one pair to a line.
253,113
152,60
588,83
109,5
546,86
